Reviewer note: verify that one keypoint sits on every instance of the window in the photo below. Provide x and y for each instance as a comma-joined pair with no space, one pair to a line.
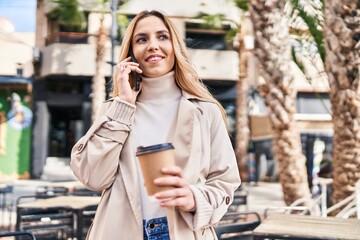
201,36
204,40
313,103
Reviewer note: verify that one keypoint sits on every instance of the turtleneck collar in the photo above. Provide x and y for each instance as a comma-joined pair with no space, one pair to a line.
159,88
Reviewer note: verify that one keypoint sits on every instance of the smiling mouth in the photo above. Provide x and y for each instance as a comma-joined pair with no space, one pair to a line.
154,59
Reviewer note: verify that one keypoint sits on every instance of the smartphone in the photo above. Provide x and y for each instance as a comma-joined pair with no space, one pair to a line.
135,75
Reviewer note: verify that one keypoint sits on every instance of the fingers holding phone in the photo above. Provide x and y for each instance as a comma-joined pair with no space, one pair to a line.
128,66
124,69
136,76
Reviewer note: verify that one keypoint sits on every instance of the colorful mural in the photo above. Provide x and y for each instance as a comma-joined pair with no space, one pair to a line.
15,135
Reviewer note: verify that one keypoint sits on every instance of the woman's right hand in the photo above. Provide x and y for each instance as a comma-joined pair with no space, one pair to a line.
125,91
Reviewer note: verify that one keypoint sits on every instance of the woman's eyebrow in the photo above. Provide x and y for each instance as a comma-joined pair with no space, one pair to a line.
142,34
139,35
162,31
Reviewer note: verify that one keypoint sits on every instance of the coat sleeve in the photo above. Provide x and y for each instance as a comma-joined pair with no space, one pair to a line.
95,157
215,195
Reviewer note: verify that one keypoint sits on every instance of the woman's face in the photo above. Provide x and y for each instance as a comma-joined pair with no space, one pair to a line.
152,47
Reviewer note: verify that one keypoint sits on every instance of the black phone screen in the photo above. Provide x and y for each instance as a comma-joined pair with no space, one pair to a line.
136,75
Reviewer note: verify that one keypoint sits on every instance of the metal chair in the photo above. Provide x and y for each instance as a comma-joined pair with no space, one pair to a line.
46,224
237,226
51,191
82,191
26,235
6,199
301,210
240,199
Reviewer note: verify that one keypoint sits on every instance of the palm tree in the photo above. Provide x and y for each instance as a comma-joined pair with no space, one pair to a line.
242,129
67,13
273,53
342,61
98,80
242,88
339,51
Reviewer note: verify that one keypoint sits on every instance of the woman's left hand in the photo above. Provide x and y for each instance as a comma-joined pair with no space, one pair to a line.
181,196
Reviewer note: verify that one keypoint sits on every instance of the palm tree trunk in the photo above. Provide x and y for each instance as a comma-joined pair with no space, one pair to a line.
342,42
272,50
242,124
98,81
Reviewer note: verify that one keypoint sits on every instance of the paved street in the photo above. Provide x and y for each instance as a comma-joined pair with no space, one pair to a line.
264,195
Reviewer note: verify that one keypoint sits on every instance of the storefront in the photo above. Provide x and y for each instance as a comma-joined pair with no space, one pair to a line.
16,118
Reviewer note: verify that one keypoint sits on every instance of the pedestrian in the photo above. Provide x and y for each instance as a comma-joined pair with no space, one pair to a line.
173,106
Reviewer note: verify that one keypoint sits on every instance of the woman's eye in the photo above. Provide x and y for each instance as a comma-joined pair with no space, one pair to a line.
140,40
163,37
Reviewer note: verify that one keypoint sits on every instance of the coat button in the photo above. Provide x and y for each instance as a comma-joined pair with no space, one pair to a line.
227,200
80,147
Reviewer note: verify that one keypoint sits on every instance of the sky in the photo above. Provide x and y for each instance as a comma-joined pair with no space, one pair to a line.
21,13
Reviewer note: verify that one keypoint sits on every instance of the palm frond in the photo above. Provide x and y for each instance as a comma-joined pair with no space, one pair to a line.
242,4
297,62
211,21
69,14
310,15
122,22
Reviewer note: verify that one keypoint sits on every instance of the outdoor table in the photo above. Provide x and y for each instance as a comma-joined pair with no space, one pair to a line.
291,226
70,185
73,188
76,204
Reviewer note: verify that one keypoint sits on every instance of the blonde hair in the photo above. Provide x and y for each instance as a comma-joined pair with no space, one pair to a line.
185,74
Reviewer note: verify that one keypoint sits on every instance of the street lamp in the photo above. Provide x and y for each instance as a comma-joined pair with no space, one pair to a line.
114,7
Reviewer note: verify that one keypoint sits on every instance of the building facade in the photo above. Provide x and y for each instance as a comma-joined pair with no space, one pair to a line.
62,91
16,115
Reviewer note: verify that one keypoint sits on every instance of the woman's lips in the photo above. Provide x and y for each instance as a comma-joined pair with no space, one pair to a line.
154,58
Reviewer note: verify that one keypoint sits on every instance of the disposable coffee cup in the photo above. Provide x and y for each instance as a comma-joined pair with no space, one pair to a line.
152,159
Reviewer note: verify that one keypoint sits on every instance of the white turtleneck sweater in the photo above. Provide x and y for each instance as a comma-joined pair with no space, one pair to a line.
155,120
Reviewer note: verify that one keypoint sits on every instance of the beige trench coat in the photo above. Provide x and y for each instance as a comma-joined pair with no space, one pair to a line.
104,160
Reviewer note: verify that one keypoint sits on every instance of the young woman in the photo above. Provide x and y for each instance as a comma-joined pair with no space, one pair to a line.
171,106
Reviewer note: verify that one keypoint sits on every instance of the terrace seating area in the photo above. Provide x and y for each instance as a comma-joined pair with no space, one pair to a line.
65,210
54,211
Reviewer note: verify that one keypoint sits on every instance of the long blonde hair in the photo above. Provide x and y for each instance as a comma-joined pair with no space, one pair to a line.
185,74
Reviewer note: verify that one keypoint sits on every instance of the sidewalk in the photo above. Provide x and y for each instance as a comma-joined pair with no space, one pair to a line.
260,196
263,195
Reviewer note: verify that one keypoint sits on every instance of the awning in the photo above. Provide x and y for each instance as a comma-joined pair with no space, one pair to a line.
260,125
15,80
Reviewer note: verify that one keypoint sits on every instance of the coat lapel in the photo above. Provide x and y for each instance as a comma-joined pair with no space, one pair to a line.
184,131
131,183
187,152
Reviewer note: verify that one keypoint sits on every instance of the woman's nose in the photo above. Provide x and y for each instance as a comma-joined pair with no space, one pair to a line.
153,45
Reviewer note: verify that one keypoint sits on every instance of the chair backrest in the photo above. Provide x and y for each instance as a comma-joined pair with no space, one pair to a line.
348,207
18,233
301,210
81,191
240,199
342,206
6,205
44,223
237,225
51,191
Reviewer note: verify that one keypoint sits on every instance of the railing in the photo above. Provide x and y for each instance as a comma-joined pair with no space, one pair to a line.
346,208
68,37
17,234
